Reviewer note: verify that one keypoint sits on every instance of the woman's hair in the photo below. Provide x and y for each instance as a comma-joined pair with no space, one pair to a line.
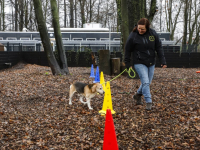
143,21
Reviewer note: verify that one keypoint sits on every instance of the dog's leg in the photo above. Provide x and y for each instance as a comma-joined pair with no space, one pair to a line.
70,97
88,103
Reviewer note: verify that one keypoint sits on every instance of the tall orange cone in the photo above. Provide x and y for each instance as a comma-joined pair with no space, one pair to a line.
102,81
110,139
107,103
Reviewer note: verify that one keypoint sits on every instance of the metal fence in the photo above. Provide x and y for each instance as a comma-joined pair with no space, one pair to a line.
21,45
78,55
94,46
83,59
195,48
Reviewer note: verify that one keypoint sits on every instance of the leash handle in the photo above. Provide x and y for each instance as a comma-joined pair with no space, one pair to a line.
128,71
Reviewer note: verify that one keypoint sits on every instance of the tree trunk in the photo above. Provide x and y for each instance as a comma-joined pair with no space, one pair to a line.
152,10
16,15
3,15
31,17
133,18
195,22
82,5
1,10
45,8
71,14
137,10
58,36
104,62
45,39
124,23
115,65
75,14
21,19
26,21
90,10
185,22
119,18
65,14
0,13
197,39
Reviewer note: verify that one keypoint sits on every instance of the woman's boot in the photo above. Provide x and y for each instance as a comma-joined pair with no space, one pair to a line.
137,97
148,106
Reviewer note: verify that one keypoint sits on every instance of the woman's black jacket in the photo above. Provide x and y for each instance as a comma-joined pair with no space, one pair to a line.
143,48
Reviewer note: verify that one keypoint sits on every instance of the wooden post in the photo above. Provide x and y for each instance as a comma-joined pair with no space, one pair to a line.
115,65
104,62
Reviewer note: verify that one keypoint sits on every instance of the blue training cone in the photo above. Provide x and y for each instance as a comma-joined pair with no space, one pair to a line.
92,72
97,78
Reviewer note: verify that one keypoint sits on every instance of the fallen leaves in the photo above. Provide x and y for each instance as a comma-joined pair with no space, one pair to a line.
34,111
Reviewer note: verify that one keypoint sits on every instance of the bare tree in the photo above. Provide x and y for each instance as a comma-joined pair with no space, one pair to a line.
193,20
170,20
16,15
75,13
82,7
186,6
138,9
31,24
65,14
2,15
119,18
124,23
71,14
45,39
61,53
26,20
98,12
91,10
21,14
47,12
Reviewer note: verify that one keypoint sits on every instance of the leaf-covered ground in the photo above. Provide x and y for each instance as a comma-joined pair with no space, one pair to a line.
35,114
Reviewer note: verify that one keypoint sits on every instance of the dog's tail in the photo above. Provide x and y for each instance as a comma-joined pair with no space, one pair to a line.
83,101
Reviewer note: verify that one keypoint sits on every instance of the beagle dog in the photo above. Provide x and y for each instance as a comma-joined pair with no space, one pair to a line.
85,90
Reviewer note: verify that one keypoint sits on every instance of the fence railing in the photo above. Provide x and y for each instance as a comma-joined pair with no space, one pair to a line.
115,46
195,48
84,59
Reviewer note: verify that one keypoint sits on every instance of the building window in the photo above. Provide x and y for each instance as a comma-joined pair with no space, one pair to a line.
104,39
24,38
39,39
11,38
90,39
77,39
116,39
65,39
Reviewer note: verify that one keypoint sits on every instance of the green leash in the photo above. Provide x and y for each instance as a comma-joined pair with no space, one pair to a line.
128,71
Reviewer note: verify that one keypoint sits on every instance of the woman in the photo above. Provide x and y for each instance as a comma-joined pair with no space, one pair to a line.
143,42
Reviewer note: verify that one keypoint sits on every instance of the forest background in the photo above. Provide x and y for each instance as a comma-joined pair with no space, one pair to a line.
179,17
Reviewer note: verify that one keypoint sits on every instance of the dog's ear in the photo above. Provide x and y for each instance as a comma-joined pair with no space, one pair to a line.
94,88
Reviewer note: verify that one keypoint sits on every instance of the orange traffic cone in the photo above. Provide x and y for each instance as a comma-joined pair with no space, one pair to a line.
110,139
